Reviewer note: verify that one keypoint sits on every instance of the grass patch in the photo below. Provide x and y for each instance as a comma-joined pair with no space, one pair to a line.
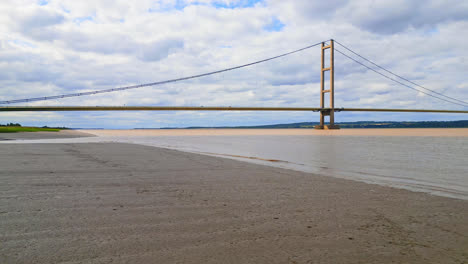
14,129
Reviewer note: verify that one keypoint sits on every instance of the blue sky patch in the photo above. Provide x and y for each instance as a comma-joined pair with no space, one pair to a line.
275,25
237,4
178,5
219,4
42,2
432,31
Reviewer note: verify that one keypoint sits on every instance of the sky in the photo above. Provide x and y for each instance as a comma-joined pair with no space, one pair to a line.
50,47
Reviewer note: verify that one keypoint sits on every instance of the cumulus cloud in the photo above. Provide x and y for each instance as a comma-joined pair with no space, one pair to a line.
39,18
389,17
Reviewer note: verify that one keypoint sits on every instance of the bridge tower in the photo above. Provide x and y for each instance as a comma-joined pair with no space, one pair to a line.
331,110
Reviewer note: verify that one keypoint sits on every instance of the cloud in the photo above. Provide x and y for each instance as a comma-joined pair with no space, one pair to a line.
75,46
381,17
390,17
37,23
40,18
160,49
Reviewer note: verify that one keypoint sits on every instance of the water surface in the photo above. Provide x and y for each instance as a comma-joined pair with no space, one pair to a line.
437,165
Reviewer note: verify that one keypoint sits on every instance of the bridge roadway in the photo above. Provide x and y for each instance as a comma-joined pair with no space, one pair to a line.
210,108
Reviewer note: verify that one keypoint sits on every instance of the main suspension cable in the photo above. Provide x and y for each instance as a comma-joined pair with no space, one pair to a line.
154,83
390,78
399,76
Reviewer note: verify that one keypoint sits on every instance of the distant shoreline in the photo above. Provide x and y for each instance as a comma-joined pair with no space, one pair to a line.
354,125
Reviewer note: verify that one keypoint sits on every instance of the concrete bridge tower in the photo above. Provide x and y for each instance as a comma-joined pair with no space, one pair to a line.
330,111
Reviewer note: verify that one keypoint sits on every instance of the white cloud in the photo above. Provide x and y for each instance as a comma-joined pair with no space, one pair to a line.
74,46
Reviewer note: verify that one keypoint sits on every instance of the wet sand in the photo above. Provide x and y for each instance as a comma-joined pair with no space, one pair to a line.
44,135
427,132
124,203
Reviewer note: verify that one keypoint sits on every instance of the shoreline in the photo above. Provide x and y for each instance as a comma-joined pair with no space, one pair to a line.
132,203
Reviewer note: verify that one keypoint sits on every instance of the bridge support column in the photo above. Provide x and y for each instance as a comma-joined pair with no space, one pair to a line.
331,110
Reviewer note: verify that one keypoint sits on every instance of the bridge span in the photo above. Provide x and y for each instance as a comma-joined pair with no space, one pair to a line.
213,108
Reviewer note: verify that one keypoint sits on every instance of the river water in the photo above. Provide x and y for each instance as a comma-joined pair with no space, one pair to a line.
437,165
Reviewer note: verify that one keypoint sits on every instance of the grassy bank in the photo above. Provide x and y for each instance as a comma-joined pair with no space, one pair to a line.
15,129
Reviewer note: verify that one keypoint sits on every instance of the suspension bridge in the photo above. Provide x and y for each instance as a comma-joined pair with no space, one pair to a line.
327,47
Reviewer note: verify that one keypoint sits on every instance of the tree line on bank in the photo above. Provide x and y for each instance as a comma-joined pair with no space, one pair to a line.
11,124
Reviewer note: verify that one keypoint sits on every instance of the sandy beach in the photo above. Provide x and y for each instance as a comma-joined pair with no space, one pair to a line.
125,203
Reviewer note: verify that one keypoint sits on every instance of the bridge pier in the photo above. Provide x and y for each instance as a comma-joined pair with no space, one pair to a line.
323,113
331,110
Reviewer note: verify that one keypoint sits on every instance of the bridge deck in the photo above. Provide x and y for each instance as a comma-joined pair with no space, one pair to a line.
211,108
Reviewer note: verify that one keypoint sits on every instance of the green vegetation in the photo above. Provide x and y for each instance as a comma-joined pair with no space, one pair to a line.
15,127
